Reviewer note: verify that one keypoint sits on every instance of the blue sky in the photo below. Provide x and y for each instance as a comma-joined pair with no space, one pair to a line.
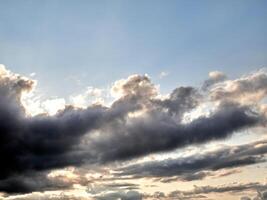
99,42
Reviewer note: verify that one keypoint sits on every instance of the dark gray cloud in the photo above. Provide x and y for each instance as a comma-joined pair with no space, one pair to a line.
101,134
181,100
158,131
29,182
198,166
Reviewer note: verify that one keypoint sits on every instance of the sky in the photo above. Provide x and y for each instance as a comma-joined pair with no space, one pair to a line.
130,100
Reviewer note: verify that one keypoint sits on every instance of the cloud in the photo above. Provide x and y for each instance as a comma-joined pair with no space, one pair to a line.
200,165
107,188
52,106
171,196
214,77
163,74
136,124
158,131
260,196
48,196
181,100
130,195
231,188
90,96
29,182
247,89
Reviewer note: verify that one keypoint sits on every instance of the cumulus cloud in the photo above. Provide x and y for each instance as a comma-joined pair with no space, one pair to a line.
136,124
90,96
250,88
214,77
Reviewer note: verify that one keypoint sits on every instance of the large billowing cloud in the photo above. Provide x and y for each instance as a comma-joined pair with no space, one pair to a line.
138,122
158,131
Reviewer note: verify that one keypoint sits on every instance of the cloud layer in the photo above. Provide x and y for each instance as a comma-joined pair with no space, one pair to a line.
139,122
199,165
